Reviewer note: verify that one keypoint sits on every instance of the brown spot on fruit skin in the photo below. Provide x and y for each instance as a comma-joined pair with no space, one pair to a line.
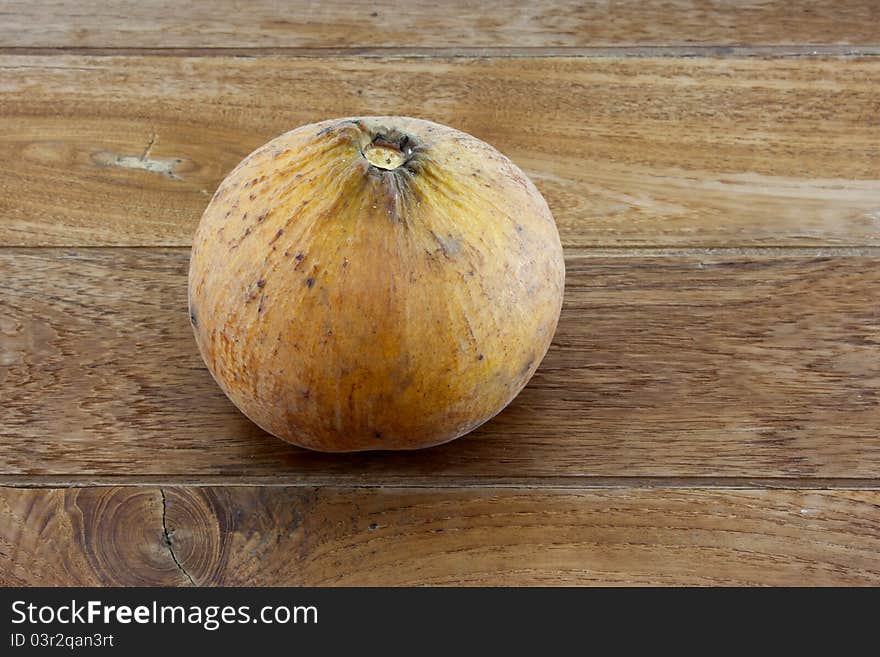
419,266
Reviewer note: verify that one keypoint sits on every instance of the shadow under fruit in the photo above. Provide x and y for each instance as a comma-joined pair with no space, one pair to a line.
374,283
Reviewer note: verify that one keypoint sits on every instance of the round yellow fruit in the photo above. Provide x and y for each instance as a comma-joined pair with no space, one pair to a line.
374,283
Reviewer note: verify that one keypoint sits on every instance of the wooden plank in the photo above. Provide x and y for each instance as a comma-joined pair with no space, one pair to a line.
401,23
272,536
690,365
644,152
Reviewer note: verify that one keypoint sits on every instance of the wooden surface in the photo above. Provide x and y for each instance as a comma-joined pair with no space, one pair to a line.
707,414
422,23
628,152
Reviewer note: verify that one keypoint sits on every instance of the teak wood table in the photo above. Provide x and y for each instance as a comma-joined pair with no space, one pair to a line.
708,412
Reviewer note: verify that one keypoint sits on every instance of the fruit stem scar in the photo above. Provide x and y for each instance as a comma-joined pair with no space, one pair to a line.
383,155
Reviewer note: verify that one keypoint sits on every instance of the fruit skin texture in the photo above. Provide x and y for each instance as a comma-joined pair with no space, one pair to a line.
344,307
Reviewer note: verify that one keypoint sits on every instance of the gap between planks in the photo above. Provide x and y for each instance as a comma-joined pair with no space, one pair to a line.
501,52
407,482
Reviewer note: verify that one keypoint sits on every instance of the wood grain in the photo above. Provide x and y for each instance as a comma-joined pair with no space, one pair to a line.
759,365
275,536
629,152
85,537
401,23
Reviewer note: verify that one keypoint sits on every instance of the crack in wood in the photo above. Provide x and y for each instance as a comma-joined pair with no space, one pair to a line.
167,538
